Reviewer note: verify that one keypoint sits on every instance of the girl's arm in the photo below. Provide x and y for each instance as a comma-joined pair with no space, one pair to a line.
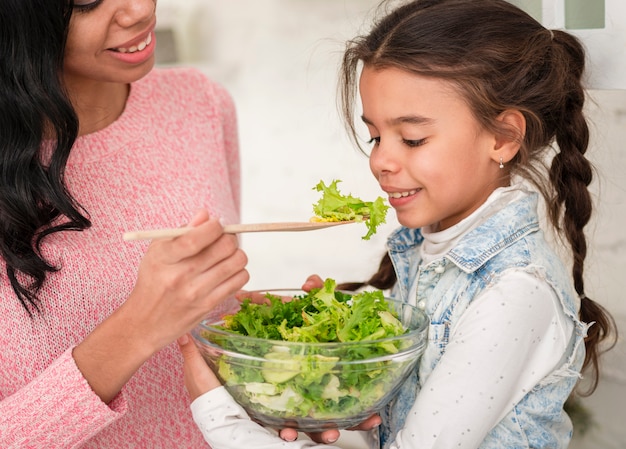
508,339
225,424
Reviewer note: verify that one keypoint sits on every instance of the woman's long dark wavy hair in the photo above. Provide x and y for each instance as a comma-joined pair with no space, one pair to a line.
34,112
500,58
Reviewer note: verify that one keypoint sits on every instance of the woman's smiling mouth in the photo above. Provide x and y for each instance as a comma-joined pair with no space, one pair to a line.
135,48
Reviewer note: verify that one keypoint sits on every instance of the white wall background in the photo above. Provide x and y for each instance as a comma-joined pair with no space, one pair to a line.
607,65
279,58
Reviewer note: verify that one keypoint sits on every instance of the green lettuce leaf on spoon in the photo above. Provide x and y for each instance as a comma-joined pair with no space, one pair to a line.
334,206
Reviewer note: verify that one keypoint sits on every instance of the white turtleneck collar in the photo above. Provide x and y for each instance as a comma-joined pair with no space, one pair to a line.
437,244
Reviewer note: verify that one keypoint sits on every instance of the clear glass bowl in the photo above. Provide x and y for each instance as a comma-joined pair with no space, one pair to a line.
303,385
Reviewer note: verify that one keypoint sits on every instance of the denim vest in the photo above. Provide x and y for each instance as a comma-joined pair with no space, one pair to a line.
509,239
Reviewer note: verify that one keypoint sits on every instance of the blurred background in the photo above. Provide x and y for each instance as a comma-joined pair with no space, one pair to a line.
279,59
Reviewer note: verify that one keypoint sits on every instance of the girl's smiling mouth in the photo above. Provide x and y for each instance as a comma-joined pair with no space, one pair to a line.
396,195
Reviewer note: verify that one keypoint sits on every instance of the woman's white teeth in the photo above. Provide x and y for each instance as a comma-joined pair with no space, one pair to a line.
402,194
134,48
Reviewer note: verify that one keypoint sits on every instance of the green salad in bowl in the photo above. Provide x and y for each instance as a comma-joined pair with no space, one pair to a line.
317,360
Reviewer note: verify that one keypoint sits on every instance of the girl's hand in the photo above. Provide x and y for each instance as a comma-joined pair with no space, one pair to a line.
313,281
332,435
199,378
257,297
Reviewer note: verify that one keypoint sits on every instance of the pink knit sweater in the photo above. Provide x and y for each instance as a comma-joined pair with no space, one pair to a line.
173,150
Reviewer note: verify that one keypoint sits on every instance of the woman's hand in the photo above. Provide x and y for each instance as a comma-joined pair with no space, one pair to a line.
182,279
178,283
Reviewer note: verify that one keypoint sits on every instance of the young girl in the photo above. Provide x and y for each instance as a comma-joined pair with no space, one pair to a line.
463,100
93,143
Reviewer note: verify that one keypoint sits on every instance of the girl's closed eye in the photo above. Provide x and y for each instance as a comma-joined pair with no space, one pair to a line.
408,142
86,5
414,143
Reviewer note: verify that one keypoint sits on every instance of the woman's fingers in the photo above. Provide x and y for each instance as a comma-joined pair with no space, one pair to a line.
197,239
199,260
221,282
200,217
182,279
211,271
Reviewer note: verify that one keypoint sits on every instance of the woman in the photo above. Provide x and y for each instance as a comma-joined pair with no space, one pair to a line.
95,142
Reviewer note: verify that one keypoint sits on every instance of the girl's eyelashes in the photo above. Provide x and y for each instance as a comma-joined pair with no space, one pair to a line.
414,143
407,142
86,5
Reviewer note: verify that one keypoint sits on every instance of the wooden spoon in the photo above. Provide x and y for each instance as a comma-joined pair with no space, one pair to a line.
237,229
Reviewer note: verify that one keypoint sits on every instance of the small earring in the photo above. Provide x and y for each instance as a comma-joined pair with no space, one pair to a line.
501,164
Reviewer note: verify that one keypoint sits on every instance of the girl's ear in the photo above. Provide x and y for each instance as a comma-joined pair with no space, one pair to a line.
510,140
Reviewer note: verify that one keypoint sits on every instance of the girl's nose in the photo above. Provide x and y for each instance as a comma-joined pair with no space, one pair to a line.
132,12
382,161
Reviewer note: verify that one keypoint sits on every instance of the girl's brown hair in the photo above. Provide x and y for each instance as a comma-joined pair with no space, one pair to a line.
499,58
